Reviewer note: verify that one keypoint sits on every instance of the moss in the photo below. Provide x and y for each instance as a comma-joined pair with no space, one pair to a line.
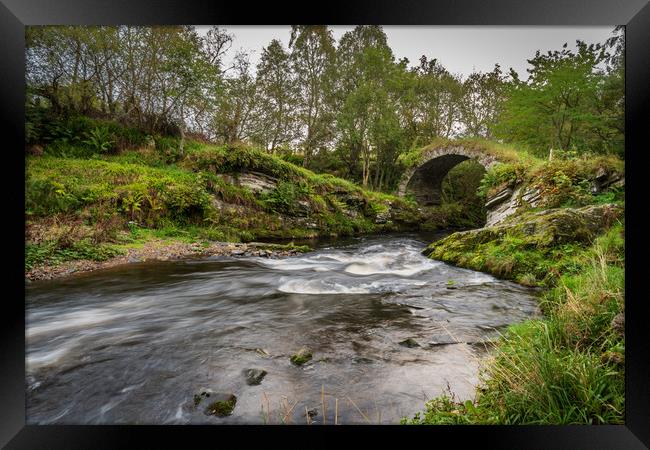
558,182
410,343
301,357
534,248
222,408
504,153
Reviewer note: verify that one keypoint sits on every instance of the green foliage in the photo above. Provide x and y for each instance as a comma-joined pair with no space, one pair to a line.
99,140
569,103
168,149
285,197
53,253
500,176
568,182
141,193
564,369
45,196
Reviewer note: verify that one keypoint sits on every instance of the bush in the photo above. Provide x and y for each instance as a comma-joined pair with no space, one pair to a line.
46,196
285,196
52,253
99,140
499,176
168,149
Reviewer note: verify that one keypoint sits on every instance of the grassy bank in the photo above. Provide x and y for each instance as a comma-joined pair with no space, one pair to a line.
95,188
567,368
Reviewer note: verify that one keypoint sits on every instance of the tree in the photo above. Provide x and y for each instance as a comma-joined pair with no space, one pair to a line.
234,118
480,104
558,106
314,63
438,95
275,119
369,90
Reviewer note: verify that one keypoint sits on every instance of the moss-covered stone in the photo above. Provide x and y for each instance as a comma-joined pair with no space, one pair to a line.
223,405
530,248
410,343
301,356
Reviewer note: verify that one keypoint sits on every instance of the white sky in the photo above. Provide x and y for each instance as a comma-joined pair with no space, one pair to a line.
459,49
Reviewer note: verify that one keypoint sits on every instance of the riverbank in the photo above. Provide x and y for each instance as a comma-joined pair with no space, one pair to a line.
569,367
164,250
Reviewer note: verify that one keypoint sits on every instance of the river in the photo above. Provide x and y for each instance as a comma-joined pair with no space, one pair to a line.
133,344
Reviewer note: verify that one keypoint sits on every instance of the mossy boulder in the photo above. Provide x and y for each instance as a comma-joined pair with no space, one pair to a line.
530,246
301,356
221,405
410,343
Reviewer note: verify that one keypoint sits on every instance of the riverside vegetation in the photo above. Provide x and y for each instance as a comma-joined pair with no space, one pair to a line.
155,151
569,367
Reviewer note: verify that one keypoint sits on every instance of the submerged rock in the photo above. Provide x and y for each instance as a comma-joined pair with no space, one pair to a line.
442,339
203,393
254,376
221,405
362,360
410,343
301,356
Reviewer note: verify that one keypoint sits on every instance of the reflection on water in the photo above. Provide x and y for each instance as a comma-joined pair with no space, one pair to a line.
134,344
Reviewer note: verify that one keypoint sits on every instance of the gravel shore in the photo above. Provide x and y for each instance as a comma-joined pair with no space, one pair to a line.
163,251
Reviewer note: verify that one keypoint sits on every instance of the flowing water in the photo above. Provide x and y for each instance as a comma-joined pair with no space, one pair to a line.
133,344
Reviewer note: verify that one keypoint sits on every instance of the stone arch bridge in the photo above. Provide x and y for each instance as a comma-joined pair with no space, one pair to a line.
425,179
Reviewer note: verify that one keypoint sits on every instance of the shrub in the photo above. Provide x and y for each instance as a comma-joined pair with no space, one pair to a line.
99,140
50,252
285,196
168,149
500,176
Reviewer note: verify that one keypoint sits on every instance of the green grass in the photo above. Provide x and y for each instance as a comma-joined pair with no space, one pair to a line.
192,199
559,182
563,369
52,253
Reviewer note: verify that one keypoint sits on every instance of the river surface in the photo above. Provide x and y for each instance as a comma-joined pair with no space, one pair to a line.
134,344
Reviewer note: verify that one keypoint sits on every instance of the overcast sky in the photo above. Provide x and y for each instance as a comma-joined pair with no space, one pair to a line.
460,50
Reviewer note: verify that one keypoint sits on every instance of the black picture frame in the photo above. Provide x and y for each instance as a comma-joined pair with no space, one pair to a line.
16,14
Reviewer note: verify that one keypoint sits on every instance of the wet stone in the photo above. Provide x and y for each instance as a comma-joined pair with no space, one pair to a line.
254,376
301,357
221,405
410,343
203,393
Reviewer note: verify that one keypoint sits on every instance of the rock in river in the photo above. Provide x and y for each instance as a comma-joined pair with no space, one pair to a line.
410,343
301,356
254,376
221,405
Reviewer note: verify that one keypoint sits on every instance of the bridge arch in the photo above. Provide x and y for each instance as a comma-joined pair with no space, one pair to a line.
424,180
